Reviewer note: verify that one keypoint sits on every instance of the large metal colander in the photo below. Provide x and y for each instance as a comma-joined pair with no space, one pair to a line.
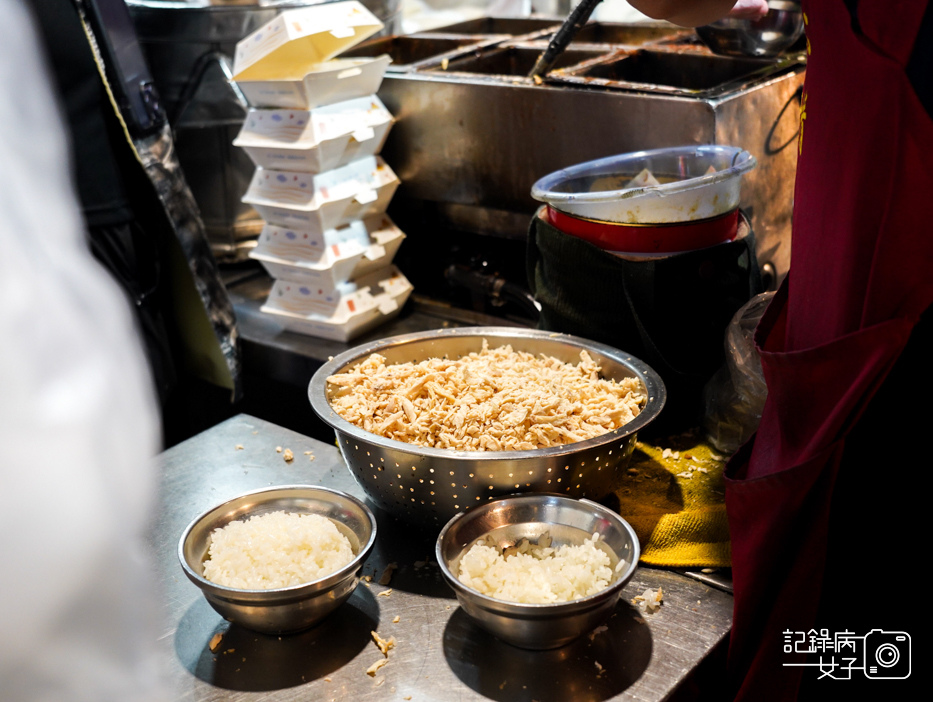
430,485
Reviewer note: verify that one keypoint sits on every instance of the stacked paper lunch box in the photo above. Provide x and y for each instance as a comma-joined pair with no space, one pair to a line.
314,130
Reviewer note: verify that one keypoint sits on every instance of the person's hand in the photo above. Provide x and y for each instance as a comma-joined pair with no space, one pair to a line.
693,13
749,9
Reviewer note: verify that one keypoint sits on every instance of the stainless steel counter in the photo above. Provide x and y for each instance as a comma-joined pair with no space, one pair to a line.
440,655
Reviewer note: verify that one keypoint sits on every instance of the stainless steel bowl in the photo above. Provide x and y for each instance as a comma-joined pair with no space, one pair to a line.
430,485
288,609
568,521
763,38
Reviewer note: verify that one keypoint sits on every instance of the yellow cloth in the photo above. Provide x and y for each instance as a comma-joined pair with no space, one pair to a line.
673,495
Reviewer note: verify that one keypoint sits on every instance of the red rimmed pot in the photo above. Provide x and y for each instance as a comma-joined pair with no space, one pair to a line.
647,238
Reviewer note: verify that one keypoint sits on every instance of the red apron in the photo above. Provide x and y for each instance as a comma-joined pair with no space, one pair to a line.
859,280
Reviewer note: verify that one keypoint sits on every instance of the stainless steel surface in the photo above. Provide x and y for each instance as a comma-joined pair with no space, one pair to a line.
566,521
721,579
409,52
687,73
189,49
440,654
516,60
176,35
562,37
474,133
513,26
431,485
289,609
765,38
627,34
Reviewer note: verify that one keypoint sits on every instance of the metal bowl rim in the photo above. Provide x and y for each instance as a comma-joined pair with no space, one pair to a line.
775,13
655,391
293,592
785,5
539,609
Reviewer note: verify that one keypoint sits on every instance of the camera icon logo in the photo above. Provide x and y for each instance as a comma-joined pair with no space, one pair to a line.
887,655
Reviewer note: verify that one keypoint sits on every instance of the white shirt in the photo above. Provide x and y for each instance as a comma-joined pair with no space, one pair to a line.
78,423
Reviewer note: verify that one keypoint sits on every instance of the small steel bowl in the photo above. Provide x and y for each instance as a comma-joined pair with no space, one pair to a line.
430,485
567,521
762,38
287,609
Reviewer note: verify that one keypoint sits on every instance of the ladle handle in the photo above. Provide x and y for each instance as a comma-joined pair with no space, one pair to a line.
568,30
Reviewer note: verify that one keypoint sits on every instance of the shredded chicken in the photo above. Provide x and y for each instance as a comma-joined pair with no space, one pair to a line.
371,670
387,574
494,400
384,645
215,641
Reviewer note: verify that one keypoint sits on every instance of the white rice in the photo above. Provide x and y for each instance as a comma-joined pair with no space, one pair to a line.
535,574
276,550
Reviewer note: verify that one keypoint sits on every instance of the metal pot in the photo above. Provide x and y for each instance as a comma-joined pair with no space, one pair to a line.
767,37
431,485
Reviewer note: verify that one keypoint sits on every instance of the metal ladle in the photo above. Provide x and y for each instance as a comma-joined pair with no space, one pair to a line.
568,30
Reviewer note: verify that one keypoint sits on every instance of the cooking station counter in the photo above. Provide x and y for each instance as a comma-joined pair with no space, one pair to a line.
440,654
474,131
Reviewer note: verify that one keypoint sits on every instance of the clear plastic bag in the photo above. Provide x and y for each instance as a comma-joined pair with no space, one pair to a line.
735,396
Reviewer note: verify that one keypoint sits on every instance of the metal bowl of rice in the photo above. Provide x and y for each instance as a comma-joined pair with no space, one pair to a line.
554,522
289,515
428,485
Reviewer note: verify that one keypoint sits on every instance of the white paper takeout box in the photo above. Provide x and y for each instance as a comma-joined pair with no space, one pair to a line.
287,62
305,245
287,45
315,140
336,80
325,261
323,201
357,306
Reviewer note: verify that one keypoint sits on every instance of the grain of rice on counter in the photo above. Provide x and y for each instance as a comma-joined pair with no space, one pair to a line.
494,400
274,550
